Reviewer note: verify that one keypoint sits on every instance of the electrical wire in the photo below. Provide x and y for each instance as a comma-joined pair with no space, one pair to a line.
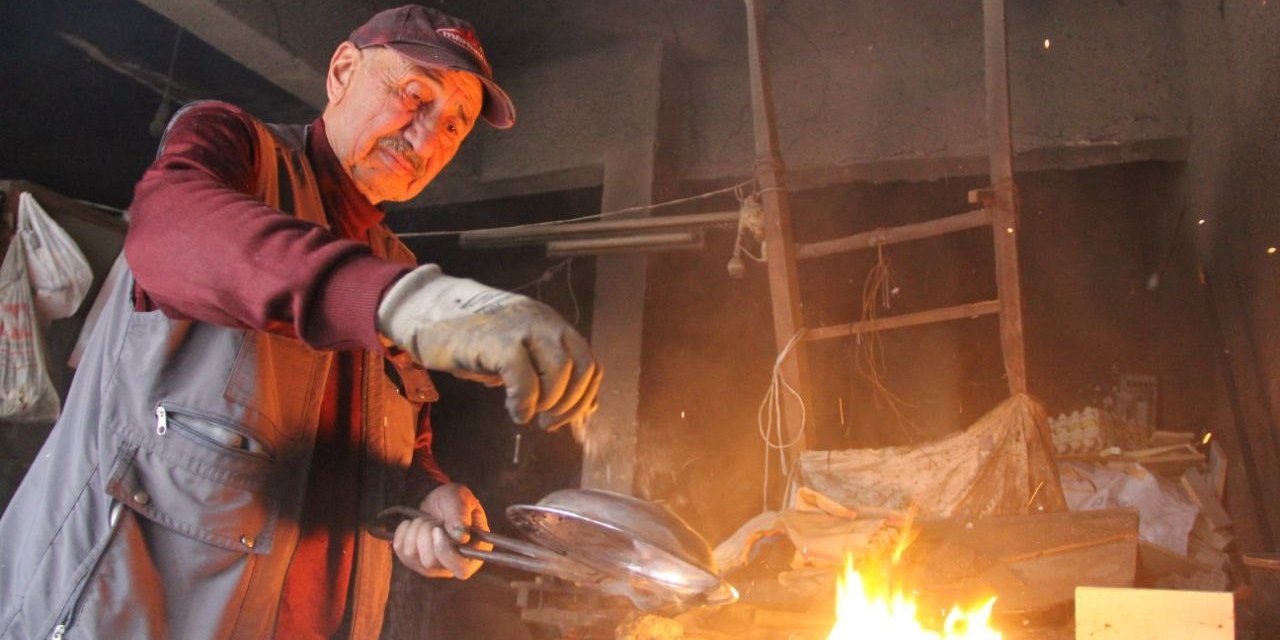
869,361
595,216
566,266
769,418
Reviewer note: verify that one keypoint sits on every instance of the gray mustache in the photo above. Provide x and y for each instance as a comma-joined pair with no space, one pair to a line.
402,148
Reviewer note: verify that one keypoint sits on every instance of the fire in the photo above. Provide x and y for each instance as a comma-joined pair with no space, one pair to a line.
868,607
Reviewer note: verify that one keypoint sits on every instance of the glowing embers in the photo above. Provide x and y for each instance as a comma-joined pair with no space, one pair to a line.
870,606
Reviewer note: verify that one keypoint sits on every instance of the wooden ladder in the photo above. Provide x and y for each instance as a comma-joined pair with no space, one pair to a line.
998,210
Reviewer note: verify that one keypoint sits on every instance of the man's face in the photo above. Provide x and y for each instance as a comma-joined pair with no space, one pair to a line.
396,124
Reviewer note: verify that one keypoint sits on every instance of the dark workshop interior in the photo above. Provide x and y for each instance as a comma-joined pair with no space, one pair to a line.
997,276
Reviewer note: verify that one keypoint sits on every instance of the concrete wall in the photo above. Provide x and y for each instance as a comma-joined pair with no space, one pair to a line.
863,84
874,82
571,114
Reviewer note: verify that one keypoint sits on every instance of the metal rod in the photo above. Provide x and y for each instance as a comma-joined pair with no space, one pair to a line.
784,284
531,234
1004,201
649,242
892,235
958,312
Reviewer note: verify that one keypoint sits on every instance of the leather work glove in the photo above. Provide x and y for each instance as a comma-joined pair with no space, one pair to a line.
498,338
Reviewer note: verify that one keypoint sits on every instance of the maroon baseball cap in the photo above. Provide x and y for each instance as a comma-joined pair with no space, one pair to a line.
433,39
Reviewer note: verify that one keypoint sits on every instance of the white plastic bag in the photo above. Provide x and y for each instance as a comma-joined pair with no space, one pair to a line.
1001,465
1165,513
26,393
60,276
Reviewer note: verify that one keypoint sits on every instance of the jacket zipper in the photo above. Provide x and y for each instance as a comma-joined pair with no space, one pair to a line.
69,609
163,421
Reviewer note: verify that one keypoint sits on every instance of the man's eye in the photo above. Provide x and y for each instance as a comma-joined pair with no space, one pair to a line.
414,100
451,128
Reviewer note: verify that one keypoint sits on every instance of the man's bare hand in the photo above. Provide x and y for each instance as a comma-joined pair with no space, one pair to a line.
430,549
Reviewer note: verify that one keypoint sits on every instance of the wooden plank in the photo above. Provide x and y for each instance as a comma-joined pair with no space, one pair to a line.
1159,438
1129,614
893,235
1003,204
1217,539
784,282
1159,561
1032,562
1150,452
1173,465
959,312
1217,471
1200,493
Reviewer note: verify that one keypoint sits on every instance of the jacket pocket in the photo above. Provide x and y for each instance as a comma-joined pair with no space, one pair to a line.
209,432
205,479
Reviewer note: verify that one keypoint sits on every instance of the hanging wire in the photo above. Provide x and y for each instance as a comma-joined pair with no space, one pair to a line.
595,216
869,361
545,277
161,119
565,266
573,296
769,419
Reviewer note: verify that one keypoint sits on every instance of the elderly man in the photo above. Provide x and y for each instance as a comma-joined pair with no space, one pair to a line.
254,393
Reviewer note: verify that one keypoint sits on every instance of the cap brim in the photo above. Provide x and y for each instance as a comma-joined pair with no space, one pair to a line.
497,110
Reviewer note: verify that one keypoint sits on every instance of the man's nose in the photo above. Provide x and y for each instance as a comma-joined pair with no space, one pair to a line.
422,129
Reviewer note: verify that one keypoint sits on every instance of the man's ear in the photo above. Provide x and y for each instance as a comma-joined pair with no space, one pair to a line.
342,69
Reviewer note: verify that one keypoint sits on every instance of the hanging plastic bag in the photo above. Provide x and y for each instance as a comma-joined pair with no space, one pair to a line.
26,393
60,275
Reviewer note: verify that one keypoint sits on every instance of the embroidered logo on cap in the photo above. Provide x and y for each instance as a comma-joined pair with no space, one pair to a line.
466,39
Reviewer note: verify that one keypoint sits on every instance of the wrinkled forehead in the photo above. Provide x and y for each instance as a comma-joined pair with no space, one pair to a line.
447,81
461,86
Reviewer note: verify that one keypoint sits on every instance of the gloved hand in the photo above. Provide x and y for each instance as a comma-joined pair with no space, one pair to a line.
496,337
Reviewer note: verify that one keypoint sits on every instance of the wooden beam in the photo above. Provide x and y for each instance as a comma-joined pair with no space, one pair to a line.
893,235
1003,204
958,312
784,283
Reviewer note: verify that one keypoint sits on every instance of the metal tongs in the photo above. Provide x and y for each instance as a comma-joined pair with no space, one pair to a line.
526,557
600,540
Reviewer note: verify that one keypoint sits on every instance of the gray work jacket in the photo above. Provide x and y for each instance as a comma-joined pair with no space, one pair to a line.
165,502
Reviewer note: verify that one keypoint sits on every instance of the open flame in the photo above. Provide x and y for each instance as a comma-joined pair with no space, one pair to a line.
870,604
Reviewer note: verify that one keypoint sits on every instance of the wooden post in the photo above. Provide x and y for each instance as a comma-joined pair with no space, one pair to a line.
1004,200
784,285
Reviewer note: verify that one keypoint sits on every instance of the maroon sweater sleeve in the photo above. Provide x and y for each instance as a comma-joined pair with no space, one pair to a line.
201,247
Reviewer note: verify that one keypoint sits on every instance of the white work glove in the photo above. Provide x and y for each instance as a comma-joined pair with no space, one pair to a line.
495,337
